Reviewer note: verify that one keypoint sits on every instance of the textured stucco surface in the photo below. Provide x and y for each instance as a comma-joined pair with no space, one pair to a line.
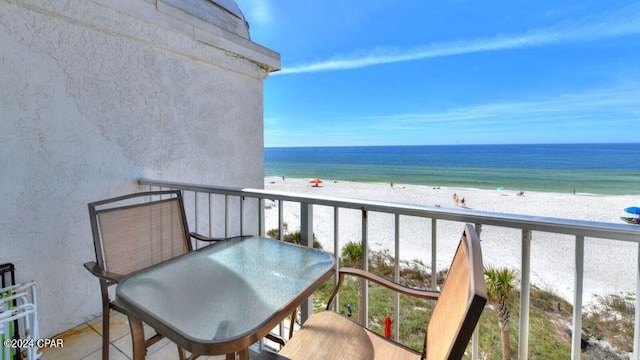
92,99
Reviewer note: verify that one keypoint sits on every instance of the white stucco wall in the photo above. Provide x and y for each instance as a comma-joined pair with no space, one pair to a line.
93,98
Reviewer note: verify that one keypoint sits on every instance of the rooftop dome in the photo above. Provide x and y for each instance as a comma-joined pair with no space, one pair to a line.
223,13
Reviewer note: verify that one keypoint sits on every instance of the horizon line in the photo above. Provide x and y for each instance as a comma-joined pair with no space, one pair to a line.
479,144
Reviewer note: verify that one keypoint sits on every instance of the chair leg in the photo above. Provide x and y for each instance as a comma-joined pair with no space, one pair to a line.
106,313
105,333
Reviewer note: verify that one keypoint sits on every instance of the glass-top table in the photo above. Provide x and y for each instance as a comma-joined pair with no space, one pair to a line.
222,298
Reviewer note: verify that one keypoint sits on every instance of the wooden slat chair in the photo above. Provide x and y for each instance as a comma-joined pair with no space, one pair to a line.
328,335
130,233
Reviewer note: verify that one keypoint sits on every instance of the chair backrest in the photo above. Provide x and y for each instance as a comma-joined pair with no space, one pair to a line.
461,301
136,231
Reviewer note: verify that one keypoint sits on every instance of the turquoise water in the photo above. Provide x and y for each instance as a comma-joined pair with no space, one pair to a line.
589,168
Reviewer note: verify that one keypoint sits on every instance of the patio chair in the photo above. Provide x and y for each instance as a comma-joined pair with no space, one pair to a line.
328,335
130,233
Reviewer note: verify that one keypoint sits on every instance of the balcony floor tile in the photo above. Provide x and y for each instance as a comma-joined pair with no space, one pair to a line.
79,343
85,343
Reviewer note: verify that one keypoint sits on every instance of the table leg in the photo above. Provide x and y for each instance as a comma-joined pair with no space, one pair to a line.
240,355
137,338
243,354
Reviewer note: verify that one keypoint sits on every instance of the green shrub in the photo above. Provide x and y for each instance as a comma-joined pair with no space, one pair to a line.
291,237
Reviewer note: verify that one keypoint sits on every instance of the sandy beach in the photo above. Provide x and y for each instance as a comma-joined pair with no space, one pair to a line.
610,266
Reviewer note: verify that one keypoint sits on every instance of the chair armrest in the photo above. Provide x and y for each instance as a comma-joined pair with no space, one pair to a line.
201,237
423,294
99,272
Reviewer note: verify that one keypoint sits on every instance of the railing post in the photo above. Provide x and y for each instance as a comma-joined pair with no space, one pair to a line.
280,220
525,295
434,250
364,300
576,337
336,253
211,217
241,215
306,224
226,216
261,226
636,327
306,239
396,270
197,216
475,337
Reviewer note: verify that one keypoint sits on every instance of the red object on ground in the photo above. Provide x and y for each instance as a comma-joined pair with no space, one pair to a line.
387,326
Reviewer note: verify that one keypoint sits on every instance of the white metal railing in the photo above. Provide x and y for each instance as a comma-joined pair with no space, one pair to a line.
577,228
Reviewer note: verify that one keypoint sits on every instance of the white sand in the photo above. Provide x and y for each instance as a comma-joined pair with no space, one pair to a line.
609,266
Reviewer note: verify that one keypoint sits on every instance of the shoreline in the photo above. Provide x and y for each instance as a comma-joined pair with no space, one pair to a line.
461,187
609,266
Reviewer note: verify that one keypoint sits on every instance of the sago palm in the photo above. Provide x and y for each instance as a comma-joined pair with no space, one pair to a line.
500,288
352,254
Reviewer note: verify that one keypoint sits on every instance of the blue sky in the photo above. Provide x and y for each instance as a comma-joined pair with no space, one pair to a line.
415,72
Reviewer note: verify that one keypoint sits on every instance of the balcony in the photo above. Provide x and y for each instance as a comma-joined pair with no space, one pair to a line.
212,210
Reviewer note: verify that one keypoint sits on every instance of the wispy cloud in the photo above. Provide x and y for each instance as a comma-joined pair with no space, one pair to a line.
570,106
623,22
555,118
595,104
606,100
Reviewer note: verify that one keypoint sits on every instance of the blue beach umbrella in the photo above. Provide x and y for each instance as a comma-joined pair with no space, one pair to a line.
633,210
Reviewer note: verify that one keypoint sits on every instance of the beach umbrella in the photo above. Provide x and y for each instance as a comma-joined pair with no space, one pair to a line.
316,182
633,210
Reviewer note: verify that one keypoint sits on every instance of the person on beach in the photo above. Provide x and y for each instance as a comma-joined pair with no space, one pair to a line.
392,184
462,202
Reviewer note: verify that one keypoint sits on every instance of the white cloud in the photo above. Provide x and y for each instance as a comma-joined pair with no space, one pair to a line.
586,106
577,116
625,21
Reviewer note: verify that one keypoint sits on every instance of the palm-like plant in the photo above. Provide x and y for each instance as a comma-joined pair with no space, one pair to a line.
352,254
500,288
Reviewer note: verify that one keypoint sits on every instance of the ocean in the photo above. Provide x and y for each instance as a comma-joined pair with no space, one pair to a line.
607,169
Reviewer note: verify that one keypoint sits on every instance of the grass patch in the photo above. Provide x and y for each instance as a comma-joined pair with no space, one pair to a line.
612,320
